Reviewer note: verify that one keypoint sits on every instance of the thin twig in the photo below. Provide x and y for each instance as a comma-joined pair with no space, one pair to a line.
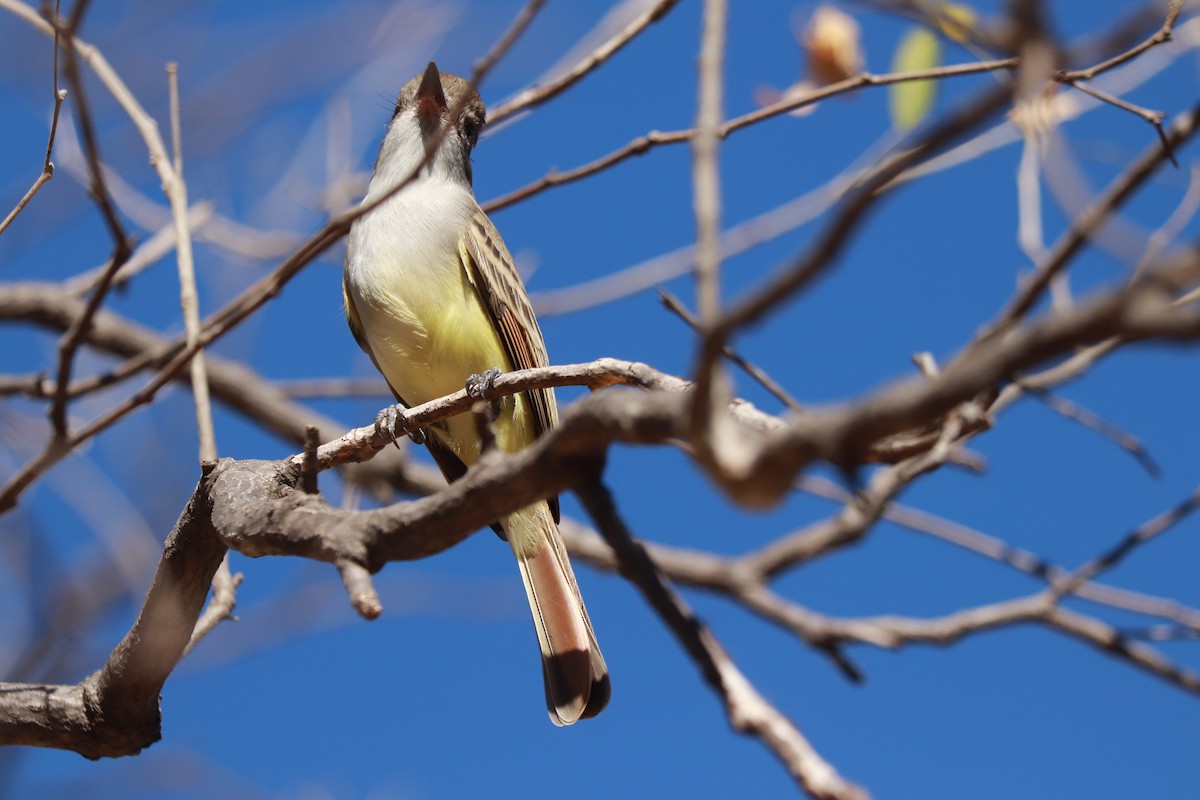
676,306
1163,35
653,139
69,343
47,165
853,210
536,95
854,521
220,607
706,180
1145,532
1093,421
748,711
1154,118
1016,558
1171,228
189,299
484,65
1086,223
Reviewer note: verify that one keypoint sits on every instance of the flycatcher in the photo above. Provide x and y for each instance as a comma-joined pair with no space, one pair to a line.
434,299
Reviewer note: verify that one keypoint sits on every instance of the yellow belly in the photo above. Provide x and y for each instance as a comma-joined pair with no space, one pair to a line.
429,336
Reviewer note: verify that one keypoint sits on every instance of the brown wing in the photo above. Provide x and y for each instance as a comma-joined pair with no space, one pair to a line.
499,285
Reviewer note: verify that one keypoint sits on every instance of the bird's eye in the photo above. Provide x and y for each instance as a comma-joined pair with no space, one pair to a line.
470,128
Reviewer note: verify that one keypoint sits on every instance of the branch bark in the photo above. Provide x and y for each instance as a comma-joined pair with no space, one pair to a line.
260,508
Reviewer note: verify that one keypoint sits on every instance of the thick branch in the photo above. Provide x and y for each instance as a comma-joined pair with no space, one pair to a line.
115,711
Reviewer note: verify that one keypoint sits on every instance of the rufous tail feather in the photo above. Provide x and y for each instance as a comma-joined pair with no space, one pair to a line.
576,678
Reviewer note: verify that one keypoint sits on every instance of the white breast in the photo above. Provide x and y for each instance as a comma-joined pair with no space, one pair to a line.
406,279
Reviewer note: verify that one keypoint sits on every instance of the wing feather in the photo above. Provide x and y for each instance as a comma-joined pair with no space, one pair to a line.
495,277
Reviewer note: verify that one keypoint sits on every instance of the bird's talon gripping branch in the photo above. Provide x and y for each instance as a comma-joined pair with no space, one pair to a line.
389,419
385,422
478,386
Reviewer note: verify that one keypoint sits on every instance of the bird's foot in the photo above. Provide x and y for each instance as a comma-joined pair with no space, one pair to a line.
390,418
479,385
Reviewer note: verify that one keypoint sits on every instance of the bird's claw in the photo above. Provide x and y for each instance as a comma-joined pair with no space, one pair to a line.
479,385
389,419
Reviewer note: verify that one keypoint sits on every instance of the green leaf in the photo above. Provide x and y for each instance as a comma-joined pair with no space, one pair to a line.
910,101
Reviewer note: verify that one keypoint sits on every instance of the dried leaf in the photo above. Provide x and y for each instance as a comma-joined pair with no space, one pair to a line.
832,43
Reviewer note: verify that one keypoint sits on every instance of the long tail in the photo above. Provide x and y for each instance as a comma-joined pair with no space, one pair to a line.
576,677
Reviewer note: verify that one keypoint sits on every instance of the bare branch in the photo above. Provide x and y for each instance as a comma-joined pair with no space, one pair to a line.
254,507
309,467
653,139
675,305
189,299
1092,421
484,65
706,186
706,203
1144,533
1017,558
69,344
47,165
1084,225
747,710
115,711
537,95
1161,36
852,213
220,607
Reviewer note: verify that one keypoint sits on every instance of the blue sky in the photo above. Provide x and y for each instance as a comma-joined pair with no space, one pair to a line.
442,697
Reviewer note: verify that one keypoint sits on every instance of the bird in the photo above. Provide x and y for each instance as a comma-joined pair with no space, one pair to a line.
433,297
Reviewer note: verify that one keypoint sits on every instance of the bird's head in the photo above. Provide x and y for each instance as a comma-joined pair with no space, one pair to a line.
427,105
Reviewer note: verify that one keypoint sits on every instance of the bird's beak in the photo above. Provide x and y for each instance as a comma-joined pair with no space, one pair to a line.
431,100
